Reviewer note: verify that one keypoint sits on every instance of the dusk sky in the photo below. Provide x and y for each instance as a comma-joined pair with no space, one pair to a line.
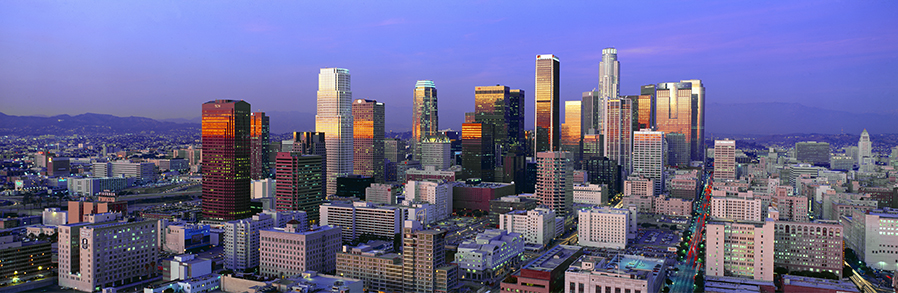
163,59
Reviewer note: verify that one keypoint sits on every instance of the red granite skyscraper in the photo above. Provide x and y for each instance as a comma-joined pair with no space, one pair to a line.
226,160
259,141
368,138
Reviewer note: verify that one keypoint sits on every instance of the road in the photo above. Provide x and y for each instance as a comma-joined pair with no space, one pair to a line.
686,270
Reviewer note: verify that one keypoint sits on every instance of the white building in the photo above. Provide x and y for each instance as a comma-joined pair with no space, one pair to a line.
184,267
735,208
96,255
435,151
537,225
262,188
436,193
290,251
334,118
620,273
361,218
54,217
90,186
381,193
489,257
241,241
724,160
864,150
592,194
873,235
649,157
740,249
606,227
280,218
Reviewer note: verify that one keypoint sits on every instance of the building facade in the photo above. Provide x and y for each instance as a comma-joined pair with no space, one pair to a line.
555,181
93,256
489,257
334,118
362,218
259,142
226,160
548,127
299,183
724,160
809,246
606,227
425,115
368,138
620,273
649,157
743,249
291,251
680,108
537,226
241,241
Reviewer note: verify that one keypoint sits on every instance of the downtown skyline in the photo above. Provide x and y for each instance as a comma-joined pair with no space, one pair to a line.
122,67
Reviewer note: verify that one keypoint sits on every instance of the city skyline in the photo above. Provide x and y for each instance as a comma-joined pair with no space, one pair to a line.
99,71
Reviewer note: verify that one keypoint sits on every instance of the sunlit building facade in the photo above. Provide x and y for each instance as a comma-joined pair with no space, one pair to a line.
425,117
645,104
335,120
571,130
259,142
680,108
548,129
609,74
368,138
226,159
478,156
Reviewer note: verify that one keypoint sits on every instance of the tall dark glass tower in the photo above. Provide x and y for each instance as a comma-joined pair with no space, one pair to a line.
259,142
226,160
548,129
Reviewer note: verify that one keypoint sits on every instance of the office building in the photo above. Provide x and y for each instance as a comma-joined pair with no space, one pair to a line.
394,150
602,170
291,250
259,142
605,227
334,118
311,143
724,160
226,160
546,273
403,167
644,105
555,182
263,188
279,219
680,108
380,269
436,152
609,74
97,255
58,167
510,203
368,138
593,108
618,273
548,128
431,173
436,193
353,186
537,226
743,249
678,149
382,193
93,185
24,259
478,151
185,267
423,254
809,246
241,241
736,208
591,194
299,184
871,234
812,152
494,105
475,195
672,206
141,171
489,257
189,238
425,116
649,157
79,210
571,130
514,117
362,218
618,131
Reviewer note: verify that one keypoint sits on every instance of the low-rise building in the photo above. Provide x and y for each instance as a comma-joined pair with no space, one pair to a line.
606,227
672,206
809,246
509,203
537,226
592,194
621,273
290,251
23,259
809,284
473,194
544,274
184,267
489,257
185,238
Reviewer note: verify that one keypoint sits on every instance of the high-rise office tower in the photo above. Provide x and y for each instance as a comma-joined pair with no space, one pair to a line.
335,120
548,129
368,138
299,184
555,181
572,131
503,108
259,142
649,156
436,152
645,104
680,108
618,131
226,160
312,143
515,114
593,109
609,74
678,149
864,148
425,118
724,159
478,155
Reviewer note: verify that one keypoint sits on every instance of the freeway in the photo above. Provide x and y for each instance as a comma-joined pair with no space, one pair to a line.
683,277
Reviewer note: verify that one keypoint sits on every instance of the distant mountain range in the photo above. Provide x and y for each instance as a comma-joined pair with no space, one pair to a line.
742,119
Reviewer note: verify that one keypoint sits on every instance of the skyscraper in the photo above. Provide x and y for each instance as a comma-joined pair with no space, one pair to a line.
226,160
649,156
368,138
547,98
259,142
425,118
478,156
335,120
864,148
609,74
646,105
572,131
593,107
680,108
502,108
555,181
312,143
618,131
299,185
724,159
515,114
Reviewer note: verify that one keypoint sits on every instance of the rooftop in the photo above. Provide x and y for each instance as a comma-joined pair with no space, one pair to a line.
841,286
630,265
552,258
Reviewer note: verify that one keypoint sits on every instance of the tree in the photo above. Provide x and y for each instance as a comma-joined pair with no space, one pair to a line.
781,270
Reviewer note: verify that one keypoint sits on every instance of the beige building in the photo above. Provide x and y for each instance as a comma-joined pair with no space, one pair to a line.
621,273
672,206
97,255
735,208
361,217
289,251
594,194
742,249
606,227
381,270
424,260
724,160
809,246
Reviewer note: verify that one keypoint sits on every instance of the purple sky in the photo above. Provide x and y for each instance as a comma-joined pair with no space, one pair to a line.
162,59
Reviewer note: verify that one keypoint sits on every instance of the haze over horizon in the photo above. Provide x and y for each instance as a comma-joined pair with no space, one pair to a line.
164,59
